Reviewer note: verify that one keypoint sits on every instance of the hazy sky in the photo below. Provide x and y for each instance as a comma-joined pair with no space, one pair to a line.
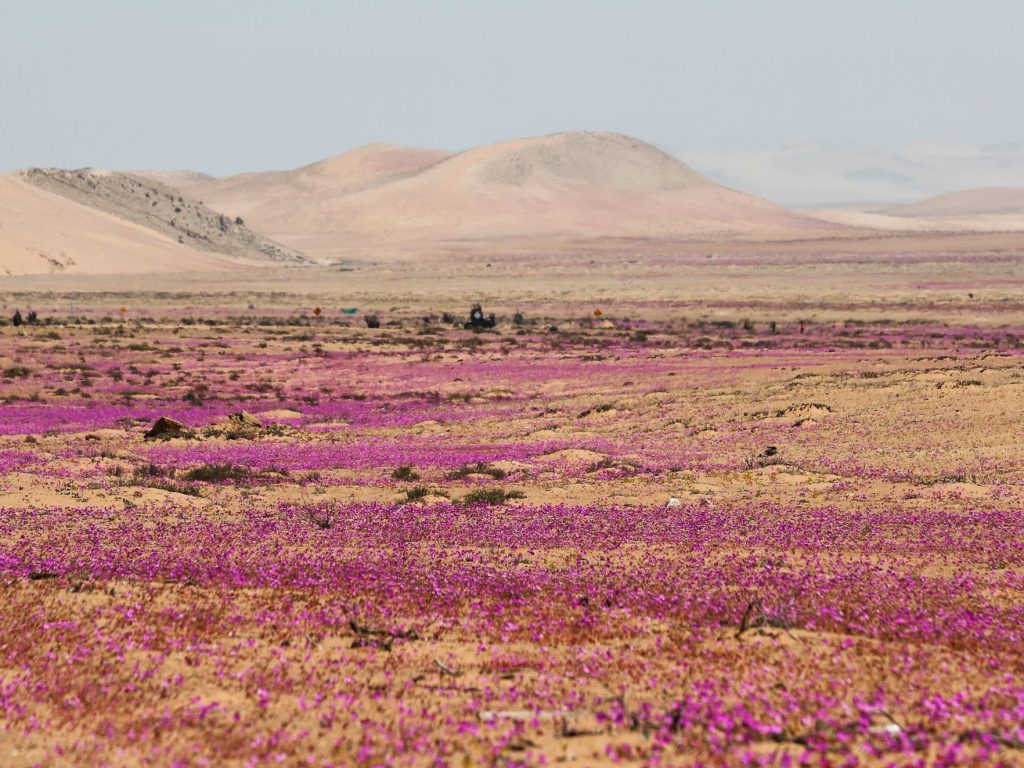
229,85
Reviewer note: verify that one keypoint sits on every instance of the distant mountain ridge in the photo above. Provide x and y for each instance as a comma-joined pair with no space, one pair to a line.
815,175
985,201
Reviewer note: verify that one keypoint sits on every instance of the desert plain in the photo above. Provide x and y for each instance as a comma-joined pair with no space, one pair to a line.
724,484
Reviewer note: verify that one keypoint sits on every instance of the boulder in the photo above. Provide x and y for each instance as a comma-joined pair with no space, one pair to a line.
165,427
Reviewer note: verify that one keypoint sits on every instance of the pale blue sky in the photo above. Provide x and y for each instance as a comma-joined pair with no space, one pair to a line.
230,85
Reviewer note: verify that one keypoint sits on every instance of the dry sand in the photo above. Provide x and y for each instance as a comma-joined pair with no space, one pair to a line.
913,409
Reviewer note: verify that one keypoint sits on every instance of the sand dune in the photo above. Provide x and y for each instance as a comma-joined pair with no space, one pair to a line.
879,222
989,209
42,232
273,196
985,201
567,186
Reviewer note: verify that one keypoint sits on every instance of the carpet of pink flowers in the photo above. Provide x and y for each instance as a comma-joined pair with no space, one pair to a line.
569,542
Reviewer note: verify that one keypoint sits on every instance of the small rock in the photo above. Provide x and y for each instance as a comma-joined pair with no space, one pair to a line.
891,729
165,427
245,419
674,502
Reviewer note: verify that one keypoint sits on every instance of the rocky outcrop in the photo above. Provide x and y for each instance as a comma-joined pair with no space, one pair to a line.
154,205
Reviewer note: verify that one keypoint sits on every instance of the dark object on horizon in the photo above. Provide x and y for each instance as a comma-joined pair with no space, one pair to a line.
477,319
771,450
16,320
372,321
773,326
32,318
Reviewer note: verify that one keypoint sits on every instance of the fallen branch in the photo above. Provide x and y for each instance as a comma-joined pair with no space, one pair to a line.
755,617
522,714
459,688
979,735
378,638
362,629
745,622
445,669
567,731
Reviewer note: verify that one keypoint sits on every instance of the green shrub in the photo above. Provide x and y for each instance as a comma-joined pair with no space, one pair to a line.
476,469
491,496
405,472
417,493
217,473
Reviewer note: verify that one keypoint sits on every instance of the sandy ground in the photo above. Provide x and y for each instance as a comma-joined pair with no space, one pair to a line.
724,539
970,278
690,501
